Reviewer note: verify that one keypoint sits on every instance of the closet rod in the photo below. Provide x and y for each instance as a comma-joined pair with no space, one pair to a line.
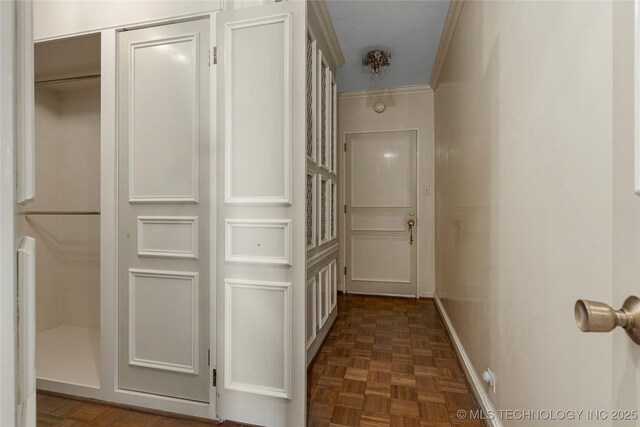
59,213
67,79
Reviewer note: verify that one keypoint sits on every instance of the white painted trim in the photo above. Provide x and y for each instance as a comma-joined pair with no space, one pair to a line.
285,288
449,29
425,294
178,198
229,5
26,363
325,220
316,258
313,284
205,14
131,398
282,224
334,128
333,212
164,274
25,103
285,198
392,91
380,294
319,16
314,88
636,77
314,210
327,124
333,285
108,228
476,383
323,145
7,215
323,281
214,198
168,253
365,279
401,215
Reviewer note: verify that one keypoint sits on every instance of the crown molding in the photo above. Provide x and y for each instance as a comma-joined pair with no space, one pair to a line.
398,90
445,40
319,19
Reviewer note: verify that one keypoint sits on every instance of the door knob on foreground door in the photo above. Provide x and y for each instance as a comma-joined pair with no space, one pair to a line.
593,316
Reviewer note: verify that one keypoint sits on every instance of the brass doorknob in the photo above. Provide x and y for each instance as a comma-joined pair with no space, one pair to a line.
593,316
411,222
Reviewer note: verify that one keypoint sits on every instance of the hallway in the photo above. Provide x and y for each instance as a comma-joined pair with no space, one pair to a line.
387,361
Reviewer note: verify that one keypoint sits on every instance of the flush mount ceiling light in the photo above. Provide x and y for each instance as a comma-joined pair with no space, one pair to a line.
376,63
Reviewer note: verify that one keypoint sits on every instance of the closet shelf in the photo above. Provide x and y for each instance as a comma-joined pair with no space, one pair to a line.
59,213
67,80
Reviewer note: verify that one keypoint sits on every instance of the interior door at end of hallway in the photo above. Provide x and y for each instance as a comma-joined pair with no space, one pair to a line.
381,221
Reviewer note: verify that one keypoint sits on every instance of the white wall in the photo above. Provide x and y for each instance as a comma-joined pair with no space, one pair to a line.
524,176
55,18
67,178
406,108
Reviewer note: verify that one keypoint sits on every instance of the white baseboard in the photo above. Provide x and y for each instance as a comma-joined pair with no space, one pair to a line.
425,294
380,294
477,385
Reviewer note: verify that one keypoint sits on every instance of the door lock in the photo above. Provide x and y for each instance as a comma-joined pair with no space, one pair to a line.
593,316
411,222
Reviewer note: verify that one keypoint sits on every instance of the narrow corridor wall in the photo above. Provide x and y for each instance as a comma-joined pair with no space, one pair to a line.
524,192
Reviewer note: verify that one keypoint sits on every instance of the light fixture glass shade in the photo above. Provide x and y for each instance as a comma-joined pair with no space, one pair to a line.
376,63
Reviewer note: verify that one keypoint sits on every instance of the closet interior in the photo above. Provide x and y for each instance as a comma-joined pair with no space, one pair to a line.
64,218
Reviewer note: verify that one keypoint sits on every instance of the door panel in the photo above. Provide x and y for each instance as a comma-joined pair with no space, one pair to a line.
381,171
261,260
164,208
380,259
381,198
626,204
262,41
169,97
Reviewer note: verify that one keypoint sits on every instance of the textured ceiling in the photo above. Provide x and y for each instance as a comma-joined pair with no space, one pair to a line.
409,30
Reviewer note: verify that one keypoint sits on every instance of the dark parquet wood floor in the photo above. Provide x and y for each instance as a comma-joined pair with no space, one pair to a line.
387,362
64,412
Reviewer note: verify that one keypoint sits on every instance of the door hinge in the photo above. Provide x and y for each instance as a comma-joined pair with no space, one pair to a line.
345,147
345,208
213,54
214,381
209,357
345,270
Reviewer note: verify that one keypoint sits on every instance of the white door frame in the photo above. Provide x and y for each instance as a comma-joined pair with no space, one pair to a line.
7,212
343,200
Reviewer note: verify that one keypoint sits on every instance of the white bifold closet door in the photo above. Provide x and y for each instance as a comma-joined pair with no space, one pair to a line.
261,260
164,208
